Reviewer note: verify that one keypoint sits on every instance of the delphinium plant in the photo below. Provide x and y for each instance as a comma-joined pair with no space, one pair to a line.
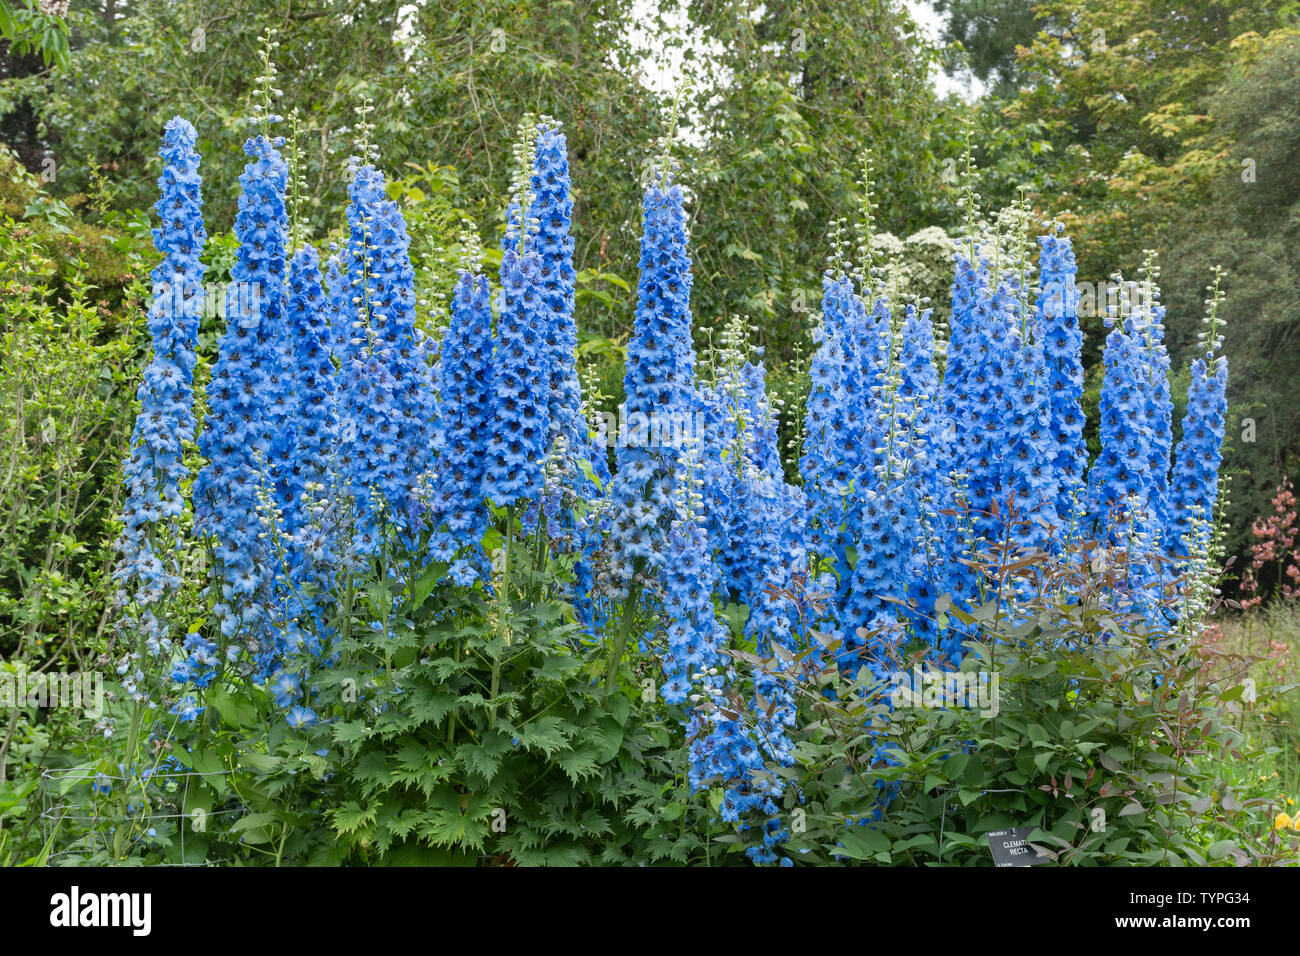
442,630
153,550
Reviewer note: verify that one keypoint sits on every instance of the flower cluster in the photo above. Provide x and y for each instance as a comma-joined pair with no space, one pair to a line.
659,381
1194,488
150,547
520,438
1274,546
465,387
1158,407
839,448
553,209
694,633
1029,479
1058,327
1119,480
517,443
315,419
237,437
335,427
393,410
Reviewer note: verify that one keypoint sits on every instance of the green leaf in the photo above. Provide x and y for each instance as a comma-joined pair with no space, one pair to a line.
259,762
234,712
430,705
481,760
955,765
578,764
736,615
203,761
350,817
863,844
610,739
1221,848
254,821
546,735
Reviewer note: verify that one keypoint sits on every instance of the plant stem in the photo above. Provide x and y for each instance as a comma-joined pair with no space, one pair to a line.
540,553
451,715
504,597
620,639
132,742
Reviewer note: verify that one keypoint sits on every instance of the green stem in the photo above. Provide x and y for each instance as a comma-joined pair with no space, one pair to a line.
132,742
620,639
504,598
451,716
540,553
349,597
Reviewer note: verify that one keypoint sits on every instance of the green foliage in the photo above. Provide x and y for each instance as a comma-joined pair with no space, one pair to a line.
30,29
772,159
1099,735
781,153
456,728
65,375
71,346
1250,224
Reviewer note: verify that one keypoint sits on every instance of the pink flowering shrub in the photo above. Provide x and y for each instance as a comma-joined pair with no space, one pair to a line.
1275,545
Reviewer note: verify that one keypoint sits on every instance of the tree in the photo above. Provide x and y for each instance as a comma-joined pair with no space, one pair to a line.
989,32
1150,108
1251,226
797,93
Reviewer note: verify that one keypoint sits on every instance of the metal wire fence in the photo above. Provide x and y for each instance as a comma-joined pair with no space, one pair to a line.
82,812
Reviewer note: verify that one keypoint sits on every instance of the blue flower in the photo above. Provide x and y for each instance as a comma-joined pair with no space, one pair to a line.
837,407
1158,407
187,709
389,417
1120,477
553,209
313,434
1058,327
466,378
695,635
237,437
148,569
286,687
1194,488
300,717
658,385
1028,490
520,433
971,357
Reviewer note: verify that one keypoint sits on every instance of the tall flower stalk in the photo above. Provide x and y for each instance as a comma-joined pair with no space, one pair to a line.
237,437
151,549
